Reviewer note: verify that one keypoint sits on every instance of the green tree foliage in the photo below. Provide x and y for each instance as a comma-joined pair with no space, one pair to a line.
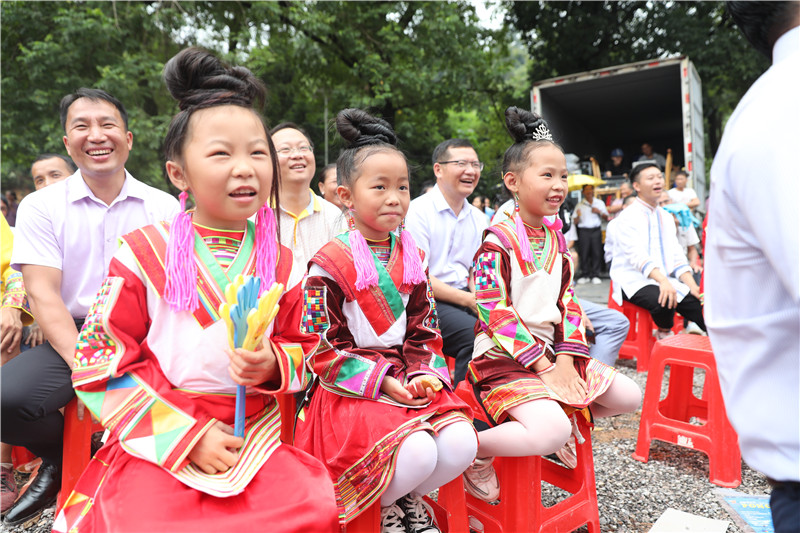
416,64
568,37
49,49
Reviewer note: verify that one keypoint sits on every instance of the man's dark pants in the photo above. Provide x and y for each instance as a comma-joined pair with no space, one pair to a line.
590,251
34,385
458,335
647,298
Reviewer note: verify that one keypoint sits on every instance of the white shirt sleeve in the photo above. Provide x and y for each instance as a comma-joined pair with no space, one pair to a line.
35,241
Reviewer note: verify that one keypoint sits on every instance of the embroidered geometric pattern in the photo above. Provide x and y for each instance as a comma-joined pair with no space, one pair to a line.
432,320
315,319
14,293
96,348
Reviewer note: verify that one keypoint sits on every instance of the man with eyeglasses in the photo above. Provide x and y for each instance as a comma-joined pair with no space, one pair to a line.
307,221
449,230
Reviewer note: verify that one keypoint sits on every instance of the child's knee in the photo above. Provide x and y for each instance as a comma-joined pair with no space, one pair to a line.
420,449
457,444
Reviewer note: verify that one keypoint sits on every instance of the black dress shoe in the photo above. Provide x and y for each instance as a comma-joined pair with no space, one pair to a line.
40,495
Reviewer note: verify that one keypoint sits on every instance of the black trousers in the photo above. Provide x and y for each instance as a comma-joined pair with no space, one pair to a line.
590,251
784,502
458,335
34,386
647,297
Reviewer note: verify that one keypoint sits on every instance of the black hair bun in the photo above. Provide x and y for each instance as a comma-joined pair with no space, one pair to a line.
359,128
195,77
521,123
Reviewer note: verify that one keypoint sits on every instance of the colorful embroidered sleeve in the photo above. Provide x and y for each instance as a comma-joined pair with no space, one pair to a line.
14,296
291,346
570,334
123,385
496,314
422,349
340,364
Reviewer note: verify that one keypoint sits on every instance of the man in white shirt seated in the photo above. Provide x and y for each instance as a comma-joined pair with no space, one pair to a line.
450,230
681,194
65,237
588,217
649,268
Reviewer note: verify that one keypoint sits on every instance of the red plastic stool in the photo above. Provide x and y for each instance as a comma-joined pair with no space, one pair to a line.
370,520
520,507
77,448
639,342
668,419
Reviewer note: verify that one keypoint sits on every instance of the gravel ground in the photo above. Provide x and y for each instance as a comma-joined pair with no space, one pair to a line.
631,495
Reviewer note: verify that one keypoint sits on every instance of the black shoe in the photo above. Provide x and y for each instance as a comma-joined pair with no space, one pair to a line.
40,495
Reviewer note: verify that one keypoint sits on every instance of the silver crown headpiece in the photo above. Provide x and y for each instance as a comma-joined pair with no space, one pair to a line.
541,134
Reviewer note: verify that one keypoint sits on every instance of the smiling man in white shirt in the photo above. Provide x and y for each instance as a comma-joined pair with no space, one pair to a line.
648,267
449,230
753,259
66,234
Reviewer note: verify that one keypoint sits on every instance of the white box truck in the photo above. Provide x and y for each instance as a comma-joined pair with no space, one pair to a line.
658,101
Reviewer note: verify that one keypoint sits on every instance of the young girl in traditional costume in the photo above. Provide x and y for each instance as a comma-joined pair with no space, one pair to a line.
152,361
383,417
531,356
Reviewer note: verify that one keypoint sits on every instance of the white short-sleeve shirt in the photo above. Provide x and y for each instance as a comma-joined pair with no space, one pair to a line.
65,226
448,240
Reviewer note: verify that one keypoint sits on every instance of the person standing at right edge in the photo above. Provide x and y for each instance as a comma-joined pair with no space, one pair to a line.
752,259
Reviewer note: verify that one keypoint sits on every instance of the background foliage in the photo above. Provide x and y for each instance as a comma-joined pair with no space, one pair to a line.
432,69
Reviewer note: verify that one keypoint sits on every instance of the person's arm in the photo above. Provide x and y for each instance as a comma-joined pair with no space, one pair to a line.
688,279
338,361
422,347
43,285
451,295
109,357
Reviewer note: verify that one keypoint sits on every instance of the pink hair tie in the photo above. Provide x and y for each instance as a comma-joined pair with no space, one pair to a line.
413,273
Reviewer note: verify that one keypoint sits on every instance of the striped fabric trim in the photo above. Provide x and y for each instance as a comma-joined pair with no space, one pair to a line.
261,439
370,475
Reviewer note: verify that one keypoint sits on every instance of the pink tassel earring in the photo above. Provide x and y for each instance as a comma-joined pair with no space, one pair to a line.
180,291
266,247
522,235
413,273
366,273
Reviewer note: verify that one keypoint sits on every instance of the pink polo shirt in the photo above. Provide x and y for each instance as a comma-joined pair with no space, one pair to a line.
65,226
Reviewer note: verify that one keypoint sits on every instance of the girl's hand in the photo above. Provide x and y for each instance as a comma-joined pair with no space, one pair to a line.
566,382
253,368
216,451
420,387
395,390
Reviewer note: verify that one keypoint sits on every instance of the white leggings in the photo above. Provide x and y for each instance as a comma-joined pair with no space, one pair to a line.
426,462
540,427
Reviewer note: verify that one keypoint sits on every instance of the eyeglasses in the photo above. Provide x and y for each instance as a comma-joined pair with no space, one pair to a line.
288,152
462,164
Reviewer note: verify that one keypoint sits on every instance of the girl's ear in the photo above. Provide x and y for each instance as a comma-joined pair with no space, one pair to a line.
176,175
512,181
345,195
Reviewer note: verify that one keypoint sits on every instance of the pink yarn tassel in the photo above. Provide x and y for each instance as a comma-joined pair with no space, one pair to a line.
366,273
266,247
555,225
180,291
412,264
522,236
